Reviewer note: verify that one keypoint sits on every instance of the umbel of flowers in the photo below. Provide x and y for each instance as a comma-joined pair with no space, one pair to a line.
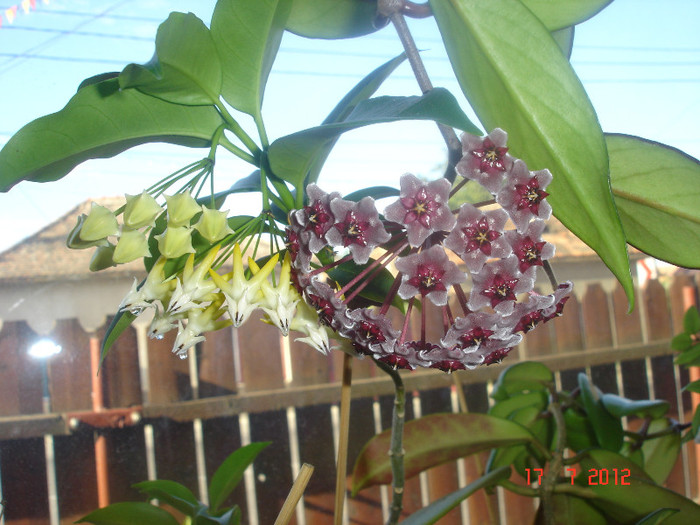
495,296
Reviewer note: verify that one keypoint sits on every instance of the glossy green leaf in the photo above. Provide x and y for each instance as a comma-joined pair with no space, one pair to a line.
291,156
521,377
605,459
174,494
660,453
129,513
696,422
507,406
185,68
376,192
529,417
100,121
437,509
247,34
633,502
556,14
579,431
691,321
621,406
570,510
332,18
689,357
433,440
120,322
538,99
364,89
657,517
681,342
656,190
565,40
607,428
227,476
693,387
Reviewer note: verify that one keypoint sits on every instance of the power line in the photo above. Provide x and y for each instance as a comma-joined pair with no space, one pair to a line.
92,34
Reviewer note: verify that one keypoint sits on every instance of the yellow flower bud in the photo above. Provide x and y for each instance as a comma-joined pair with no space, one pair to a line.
175,241
76,243
102,258
141,210
99,224
181,208
213,225
132,245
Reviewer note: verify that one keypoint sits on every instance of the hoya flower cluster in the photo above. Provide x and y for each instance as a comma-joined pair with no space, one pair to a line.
423,240
197,299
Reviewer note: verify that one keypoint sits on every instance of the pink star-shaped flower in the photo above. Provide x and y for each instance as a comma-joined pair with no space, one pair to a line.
529,247
357,228
498,286
523,196
485,159
422,208
478,235
429,274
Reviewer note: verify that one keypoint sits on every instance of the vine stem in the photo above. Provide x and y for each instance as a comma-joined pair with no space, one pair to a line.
557,461
342,462
396,450
392,9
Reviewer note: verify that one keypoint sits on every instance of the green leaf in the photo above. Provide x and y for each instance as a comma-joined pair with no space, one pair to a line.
607,428
691,321
579,431
696,421
556,14
660,453
129,513
570,510
621,406
185,68
565,40
292,156
507,406
174,494
633,502
247,34
332,18
657,517
100,121
689,357
119,323
693,387
433,440
377,192
364,89
521,377
605,459
681,342
538,99
230,473
437,509
528,417
656,190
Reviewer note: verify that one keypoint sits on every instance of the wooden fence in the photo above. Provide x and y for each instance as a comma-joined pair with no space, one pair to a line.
148,414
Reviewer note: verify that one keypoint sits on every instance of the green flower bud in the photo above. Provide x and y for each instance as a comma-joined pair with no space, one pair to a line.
132,245
76,243
141,210
174,242
213,225
99,224
102,258
181,208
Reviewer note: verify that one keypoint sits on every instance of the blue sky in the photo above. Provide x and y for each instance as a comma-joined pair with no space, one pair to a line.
639,61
